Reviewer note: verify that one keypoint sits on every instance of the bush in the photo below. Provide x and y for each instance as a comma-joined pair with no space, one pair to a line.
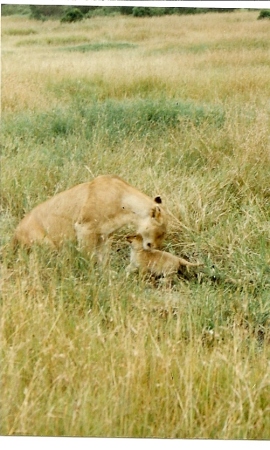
36,13
72,15
10,10
264,14
158,11
187,11
126,10
138,11
46,12
102,11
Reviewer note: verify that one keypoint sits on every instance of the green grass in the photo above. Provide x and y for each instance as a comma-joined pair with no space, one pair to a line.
20,32
98,46
223,45
87,352
118,119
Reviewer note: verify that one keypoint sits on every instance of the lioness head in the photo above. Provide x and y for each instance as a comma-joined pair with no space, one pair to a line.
153,228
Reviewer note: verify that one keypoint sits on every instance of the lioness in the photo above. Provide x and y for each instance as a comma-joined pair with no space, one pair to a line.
155,262
90,212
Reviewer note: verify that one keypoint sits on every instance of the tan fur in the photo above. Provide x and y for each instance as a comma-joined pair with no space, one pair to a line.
155,262
90,212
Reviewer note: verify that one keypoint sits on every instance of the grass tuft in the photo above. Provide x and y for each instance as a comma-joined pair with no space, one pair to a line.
98,46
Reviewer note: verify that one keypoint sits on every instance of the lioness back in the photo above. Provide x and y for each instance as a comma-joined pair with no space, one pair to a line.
53,220
90,212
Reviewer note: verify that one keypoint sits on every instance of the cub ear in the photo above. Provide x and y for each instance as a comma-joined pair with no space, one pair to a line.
155,213
158,199
130,237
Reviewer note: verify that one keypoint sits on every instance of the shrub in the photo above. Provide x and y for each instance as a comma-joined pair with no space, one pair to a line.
264,14
158,11
102,11
72,15
10,10
138,11
36,13
126,10
46,12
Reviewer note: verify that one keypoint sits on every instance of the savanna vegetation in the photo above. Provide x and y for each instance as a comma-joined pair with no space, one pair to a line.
44,12
177,106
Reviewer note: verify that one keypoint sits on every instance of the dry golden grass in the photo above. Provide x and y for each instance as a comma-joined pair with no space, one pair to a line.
137,368
182,111
192,58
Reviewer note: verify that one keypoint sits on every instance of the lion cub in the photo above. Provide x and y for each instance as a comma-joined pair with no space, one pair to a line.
155,262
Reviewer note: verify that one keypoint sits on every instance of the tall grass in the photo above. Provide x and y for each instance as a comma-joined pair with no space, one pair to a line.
179,111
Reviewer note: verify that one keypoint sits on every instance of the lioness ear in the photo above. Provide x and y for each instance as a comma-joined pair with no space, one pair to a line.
158,199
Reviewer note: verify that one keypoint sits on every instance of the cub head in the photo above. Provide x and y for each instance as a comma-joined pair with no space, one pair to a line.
153,228
136,241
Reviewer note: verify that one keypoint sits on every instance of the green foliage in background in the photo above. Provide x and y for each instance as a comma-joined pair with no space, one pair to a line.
264,14
55,12
72,15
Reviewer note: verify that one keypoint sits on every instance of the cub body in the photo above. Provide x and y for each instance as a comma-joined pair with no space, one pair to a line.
90,212
155,262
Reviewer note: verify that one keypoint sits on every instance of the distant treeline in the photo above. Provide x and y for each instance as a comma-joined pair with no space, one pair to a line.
74,13
58,12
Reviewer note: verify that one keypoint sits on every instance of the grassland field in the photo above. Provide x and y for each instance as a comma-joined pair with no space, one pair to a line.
177,106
